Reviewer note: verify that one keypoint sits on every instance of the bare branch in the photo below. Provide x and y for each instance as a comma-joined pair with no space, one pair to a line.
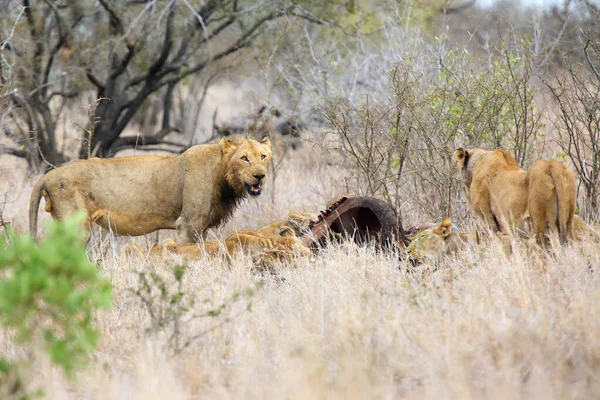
167,44
457,9
35,37
141,140
68,95
242,41
94,80
125,62
115,21
15,152
587,56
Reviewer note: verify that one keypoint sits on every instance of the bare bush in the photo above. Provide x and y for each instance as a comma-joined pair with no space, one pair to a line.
398,143
577,122
375,139
170,307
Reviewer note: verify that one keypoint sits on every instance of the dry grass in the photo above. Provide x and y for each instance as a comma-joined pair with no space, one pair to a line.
353,323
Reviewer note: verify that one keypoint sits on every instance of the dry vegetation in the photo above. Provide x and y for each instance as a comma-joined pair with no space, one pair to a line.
354,322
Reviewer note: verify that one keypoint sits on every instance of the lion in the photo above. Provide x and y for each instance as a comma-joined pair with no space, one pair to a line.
264,249
584,231
440,240
137,195
551,200
298,222
502,194
496,187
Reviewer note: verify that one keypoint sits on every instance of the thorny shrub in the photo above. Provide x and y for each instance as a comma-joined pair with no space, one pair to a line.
404,145
172,309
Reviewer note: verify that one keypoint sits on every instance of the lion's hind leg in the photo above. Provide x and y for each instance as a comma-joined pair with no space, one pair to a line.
543,218
65,205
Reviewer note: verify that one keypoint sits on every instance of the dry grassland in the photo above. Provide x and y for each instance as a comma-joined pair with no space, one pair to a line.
352,323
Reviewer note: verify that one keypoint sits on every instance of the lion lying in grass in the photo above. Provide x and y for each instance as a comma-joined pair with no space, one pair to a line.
502,194
263,249
192,192
442,240
439,241
298,222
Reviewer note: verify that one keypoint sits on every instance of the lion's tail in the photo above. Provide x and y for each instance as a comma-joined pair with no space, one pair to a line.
564,183
34,204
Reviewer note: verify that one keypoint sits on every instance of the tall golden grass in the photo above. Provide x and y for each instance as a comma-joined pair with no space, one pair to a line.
352,323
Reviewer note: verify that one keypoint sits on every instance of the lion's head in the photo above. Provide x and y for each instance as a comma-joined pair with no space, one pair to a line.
443,239
468,160
247,164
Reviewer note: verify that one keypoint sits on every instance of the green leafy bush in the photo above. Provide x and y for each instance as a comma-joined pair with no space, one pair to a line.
50,292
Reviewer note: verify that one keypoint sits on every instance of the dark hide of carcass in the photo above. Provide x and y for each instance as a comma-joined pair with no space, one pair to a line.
362,219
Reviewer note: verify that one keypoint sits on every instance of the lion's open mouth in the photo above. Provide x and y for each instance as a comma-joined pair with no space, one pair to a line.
253,190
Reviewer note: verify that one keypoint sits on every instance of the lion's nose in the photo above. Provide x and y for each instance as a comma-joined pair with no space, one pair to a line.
259,176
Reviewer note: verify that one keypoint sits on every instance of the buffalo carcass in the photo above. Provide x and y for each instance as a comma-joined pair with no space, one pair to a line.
361,219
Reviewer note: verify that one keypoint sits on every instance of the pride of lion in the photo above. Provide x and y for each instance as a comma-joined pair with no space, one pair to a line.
509,201
502,194
201,188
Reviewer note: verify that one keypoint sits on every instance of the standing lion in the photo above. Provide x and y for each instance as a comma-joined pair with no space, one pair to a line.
137,195
552,199
503,195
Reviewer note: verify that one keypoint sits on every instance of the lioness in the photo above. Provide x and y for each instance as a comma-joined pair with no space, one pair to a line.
583,231
495,185
298,222
439,241
502,194
264,249
192,192
552,200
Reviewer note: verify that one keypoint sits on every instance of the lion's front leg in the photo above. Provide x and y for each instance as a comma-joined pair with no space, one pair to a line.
483,210
191,230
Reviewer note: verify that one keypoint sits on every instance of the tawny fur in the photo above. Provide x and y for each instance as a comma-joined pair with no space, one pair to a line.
283,246
298,222
503,195
496,187
551,200
454,240
192,192
584,231
440,241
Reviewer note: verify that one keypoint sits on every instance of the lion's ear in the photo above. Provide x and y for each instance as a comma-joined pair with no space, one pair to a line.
444,228
460,155
286,231
293,215
227,145
266,141
447,223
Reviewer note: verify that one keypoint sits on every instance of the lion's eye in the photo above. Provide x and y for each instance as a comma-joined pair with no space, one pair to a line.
263,157
245,159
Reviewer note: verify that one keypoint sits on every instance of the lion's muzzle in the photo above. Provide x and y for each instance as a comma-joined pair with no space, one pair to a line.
253,190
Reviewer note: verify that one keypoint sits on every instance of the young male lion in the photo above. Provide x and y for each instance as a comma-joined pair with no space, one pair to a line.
503,195
192,192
